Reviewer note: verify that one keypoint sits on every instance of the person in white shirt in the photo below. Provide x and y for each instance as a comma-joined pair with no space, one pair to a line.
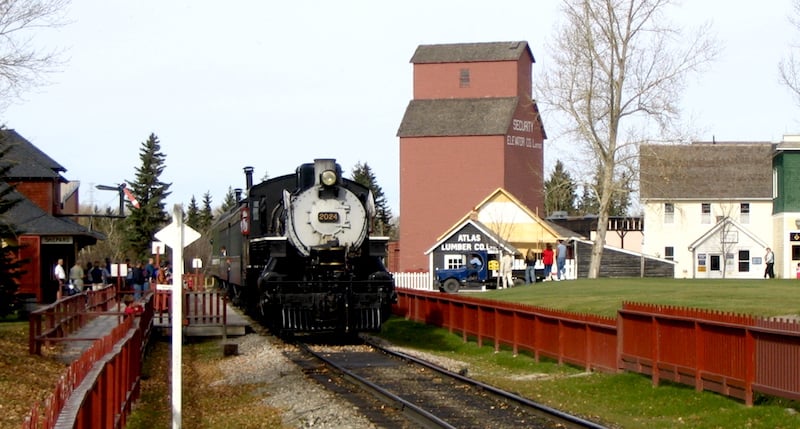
506,270
769,259
61,277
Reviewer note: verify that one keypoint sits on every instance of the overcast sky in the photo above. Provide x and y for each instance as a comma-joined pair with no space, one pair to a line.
271,85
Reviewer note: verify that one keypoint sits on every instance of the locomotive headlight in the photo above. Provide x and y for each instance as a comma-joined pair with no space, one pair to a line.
328,177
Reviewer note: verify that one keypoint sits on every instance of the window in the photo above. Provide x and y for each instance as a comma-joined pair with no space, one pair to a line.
795,252
705,213
669,253
744,261
451,262
463,80
744,213
774,183
669,213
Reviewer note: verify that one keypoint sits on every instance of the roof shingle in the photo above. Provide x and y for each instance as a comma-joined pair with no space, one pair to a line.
457,117
706,170
470,52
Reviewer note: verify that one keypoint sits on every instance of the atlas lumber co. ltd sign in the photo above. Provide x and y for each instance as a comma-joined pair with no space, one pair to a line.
467,243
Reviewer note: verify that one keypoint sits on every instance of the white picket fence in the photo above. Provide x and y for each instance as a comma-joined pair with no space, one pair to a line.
416,281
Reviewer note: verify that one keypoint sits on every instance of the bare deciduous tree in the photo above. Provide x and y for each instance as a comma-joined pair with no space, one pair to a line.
22,63
618,70
789,67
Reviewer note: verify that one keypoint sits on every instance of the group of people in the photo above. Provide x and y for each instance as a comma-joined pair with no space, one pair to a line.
549,257
79,279
138,279
143,274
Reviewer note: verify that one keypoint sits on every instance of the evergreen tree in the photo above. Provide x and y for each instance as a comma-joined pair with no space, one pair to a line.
10,265
143,222
559,191
206,214
362,173
589,204
193,214
229,202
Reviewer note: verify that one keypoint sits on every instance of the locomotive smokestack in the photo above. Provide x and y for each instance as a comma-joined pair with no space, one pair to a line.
238,193
248,178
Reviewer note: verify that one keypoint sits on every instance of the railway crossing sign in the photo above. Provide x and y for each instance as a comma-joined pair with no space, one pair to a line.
171,235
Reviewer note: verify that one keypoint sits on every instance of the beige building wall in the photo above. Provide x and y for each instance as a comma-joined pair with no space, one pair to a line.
689,224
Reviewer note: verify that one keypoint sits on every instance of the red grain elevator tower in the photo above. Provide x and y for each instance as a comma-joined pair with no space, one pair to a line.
471,128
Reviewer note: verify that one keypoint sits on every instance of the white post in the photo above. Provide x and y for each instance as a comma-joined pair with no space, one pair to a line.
177,318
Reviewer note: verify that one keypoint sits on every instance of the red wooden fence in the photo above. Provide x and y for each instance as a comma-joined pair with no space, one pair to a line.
579,339
732,354
99,388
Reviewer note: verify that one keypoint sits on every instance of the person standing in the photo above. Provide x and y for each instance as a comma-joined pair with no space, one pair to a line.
138,279
506,270
76,275
149,275
530,267
561,260
97,276
61,278
547,260
769,258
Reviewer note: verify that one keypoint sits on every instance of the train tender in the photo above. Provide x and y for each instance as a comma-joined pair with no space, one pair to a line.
296,253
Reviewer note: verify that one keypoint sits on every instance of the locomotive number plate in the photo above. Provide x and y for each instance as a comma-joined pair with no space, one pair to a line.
328,217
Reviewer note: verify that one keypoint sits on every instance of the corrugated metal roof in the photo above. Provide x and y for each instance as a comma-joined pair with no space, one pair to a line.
457,117
470,52
706,171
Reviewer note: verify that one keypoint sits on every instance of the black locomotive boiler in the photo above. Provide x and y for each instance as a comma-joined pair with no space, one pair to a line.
296,253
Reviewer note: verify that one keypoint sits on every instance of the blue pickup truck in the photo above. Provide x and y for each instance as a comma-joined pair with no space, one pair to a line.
477,276
477,272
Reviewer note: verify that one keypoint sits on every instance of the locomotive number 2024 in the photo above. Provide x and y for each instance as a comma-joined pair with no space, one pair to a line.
328,217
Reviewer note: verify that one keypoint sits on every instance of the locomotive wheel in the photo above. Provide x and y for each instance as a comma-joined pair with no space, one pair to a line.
451,286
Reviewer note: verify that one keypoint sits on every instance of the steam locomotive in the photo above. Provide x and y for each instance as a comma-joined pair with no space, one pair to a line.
296,253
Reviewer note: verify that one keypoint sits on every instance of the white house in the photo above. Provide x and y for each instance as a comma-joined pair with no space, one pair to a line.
708,206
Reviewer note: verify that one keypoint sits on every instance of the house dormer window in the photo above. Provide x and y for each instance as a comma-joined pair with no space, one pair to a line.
744,213
669,213
463,78
705,213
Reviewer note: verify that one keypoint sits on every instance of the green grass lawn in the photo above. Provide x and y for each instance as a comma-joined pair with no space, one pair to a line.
620,400
605,296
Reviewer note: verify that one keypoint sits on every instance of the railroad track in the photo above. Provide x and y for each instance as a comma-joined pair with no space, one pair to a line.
395,390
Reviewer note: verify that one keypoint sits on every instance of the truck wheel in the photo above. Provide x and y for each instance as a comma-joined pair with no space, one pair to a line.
450,286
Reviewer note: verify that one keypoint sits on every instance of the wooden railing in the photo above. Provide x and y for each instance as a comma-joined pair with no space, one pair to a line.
55,322
99,388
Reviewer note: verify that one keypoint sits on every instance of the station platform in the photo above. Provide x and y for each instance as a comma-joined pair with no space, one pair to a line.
205,315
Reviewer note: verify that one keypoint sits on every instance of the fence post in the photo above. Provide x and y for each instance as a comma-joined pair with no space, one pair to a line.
656,350
749,366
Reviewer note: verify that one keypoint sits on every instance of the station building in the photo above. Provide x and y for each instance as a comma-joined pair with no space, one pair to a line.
43,216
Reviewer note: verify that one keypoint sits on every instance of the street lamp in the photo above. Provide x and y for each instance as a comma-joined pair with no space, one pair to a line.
121,189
